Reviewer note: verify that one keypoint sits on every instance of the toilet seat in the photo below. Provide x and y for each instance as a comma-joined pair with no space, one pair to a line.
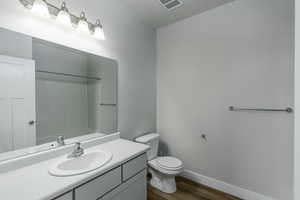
169,163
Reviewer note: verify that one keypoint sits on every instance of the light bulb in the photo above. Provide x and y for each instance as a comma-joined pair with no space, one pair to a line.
98,32
83,25
63,16
40,8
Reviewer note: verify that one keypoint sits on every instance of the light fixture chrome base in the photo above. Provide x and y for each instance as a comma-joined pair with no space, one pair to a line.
53,10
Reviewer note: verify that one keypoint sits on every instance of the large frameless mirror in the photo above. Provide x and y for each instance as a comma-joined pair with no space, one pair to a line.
49,92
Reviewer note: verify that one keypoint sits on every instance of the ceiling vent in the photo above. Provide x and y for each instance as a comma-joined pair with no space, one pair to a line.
171,4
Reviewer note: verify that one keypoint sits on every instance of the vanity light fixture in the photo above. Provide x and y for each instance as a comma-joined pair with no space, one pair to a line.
98,32
83,25
63,16
40,8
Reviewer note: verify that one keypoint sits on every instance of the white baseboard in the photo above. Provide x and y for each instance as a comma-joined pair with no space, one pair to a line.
224,187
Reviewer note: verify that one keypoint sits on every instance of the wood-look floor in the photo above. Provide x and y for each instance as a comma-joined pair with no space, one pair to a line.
189,190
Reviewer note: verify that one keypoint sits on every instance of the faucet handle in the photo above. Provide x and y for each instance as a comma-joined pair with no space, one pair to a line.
78,145
78,150
61,140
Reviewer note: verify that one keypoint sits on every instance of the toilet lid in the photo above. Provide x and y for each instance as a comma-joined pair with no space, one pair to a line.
169,162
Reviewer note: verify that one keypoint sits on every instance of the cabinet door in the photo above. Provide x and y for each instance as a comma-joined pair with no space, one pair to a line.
134,189
68,196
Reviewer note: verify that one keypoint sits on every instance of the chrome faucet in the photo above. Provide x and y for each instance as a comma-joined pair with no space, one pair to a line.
60,140
77,151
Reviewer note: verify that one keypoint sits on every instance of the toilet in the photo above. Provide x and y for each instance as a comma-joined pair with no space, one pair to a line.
162,169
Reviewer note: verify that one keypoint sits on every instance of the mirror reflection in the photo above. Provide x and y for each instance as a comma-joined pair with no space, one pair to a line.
58,92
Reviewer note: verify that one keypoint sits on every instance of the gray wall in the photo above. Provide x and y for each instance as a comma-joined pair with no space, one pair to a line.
61,102
11,43
104,119
129,41
239,54
297,105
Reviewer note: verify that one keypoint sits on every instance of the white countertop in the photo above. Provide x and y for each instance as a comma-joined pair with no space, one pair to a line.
33,182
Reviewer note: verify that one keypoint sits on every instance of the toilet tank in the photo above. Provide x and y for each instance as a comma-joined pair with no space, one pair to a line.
151,139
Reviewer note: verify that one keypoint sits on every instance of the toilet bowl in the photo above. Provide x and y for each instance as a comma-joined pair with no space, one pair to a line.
163,169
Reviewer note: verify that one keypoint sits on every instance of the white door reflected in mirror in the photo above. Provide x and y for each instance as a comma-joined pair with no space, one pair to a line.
17,103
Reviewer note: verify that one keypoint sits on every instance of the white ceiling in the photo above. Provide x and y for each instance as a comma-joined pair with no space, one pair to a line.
153,13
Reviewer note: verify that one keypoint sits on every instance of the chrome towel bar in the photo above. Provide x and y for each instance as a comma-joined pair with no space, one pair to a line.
70,75
288,110
107,104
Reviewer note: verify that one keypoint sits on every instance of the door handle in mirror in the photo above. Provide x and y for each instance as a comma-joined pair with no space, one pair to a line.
31,122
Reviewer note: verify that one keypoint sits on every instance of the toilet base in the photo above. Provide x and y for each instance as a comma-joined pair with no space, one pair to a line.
163,182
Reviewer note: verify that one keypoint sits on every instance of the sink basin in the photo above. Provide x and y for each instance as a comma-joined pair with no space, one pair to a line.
89,161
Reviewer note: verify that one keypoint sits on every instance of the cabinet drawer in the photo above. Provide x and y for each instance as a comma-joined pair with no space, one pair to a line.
134,166
133,189
68,196
99,186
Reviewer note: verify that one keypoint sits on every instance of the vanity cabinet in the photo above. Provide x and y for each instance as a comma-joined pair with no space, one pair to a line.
125,182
